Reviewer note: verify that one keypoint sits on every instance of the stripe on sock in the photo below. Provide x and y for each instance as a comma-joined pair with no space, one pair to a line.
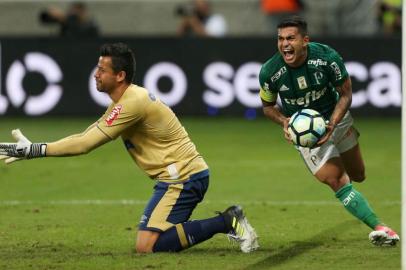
182,235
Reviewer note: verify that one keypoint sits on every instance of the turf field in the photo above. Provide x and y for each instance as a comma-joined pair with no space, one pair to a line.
82,212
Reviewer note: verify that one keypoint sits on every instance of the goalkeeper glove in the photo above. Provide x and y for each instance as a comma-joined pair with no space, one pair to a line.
23,149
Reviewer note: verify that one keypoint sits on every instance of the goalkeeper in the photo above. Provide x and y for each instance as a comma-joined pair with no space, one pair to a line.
311,75
160,146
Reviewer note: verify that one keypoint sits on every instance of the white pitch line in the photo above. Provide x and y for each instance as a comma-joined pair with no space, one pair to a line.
141,202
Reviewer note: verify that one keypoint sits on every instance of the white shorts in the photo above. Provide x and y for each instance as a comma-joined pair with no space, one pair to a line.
344,137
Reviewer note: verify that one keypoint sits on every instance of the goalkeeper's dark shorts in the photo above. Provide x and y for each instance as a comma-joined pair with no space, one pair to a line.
172,204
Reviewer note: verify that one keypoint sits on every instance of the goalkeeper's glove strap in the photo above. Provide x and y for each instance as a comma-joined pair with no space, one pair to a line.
37,150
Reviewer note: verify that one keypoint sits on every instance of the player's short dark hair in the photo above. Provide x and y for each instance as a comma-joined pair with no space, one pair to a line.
295,21
122,58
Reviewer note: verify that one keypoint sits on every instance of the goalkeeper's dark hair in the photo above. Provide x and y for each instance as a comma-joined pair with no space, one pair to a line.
122,58
295,21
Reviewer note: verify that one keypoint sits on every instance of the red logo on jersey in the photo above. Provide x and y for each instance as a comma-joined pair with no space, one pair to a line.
113,115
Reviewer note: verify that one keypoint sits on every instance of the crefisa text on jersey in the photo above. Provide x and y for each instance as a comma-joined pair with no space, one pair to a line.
317,62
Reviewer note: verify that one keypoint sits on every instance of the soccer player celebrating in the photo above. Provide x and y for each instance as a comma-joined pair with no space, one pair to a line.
160,145
312,75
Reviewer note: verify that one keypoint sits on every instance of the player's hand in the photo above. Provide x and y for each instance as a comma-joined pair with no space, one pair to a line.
23,149
285,130
329,131
8,159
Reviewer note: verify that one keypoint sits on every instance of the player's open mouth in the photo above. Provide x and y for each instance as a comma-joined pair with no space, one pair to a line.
288,54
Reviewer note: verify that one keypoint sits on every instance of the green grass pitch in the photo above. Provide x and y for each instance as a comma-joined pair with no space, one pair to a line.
82,212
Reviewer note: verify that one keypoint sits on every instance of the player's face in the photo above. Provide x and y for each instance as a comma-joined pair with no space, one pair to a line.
292,46
106,79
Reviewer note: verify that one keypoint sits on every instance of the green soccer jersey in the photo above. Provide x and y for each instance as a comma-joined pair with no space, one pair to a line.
311,85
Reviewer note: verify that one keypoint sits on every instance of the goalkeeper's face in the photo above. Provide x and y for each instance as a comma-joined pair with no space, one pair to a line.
106,79
292,45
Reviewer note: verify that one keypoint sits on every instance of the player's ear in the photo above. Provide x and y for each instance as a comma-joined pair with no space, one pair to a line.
306,40
120,76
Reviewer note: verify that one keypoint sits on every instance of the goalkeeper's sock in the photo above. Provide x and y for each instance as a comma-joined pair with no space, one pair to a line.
357,205
190,233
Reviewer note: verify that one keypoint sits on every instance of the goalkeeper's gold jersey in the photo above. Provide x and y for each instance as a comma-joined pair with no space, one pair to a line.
153,136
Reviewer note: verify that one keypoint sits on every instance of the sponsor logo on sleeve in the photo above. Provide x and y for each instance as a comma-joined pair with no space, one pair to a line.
113,115
278,74
337,70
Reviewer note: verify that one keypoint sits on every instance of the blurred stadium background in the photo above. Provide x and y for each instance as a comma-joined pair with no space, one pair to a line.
195,76
212,84
156,17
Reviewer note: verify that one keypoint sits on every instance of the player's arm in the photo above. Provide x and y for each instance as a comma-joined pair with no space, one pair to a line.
343,103
268,98
271,111
87,129
76,144
342,106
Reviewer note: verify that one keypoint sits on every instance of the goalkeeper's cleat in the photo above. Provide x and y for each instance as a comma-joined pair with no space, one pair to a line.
383,236
240,230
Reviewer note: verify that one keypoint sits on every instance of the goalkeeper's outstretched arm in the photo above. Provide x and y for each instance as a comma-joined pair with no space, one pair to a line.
77,144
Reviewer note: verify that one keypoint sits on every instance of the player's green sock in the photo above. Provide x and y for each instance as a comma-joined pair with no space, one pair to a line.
357,205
